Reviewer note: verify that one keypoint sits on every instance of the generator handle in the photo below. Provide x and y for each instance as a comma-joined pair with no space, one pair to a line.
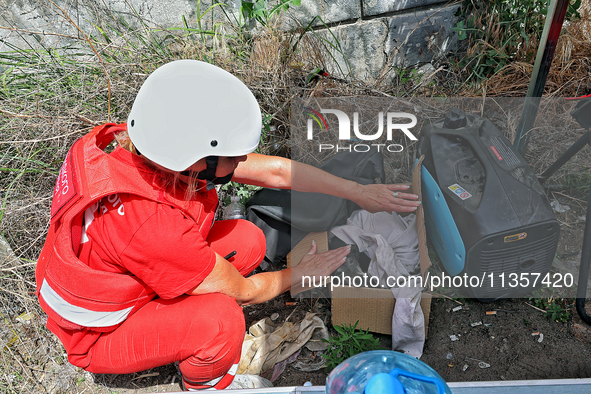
480,149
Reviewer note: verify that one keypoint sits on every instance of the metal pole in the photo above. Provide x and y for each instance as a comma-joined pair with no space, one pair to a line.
547,48
566,156
584,267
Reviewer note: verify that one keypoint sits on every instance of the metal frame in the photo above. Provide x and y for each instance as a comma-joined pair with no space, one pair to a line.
585,265
550,386
554,20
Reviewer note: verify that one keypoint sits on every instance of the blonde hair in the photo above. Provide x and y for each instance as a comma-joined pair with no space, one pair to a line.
124,141
171,179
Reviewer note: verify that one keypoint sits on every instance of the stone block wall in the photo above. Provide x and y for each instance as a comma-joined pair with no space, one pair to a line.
375,36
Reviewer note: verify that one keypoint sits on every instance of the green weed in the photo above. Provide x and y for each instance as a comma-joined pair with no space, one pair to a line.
349,342
408,75
556,309
259,11
329,44
557,313
244,192
501,31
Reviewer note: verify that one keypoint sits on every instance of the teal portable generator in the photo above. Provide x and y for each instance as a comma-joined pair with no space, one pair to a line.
486,214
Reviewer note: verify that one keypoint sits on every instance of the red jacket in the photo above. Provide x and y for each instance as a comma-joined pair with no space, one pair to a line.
71,293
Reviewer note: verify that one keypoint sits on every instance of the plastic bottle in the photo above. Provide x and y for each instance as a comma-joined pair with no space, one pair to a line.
384,371
235,210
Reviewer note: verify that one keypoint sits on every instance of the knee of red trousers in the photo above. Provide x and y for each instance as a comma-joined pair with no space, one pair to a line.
216,362
257,244
241,236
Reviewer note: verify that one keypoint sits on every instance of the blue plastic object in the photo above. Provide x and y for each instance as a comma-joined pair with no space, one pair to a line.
384,372
384,383
441,226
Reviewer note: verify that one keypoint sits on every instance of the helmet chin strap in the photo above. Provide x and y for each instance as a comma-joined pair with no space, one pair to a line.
209,173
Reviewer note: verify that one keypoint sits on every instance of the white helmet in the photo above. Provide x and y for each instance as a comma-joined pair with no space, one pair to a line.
187,110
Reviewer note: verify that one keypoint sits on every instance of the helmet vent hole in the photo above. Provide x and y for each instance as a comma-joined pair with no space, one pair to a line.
132,123
214,143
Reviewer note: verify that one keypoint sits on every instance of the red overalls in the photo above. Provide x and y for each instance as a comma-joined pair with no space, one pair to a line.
114,323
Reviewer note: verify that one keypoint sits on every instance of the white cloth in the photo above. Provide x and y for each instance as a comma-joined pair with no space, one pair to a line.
266,344
249,382
391,242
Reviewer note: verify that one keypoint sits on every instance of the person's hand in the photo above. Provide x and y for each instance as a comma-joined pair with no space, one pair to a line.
314,268
389,198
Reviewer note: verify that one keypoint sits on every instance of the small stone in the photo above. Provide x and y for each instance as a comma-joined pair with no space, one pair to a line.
274,316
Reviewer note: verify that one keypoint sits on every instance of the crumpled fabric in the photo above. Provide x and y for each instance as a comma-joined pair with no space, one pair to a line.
249,382
392,244
266,343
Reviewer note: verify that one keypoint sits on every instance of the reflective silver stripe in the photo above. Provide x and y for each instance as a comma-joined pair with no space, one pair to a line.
213,382
78,315
233,369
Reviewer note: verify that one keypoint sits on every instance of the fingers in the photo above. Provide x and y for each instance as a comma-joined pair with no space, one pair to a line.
327,261
395,186
398,191
313,248
335,256
404,208
338,257
402,205
405,196
403,202
317,265
388,198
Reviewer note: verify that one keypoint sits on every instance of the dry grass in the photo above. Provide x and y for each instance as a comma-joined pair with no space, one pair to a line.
569,75
47,101
49,98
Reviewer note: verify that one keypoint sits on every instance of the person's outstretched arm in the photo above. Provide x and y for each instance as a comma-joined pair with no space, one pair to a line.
255,289
282,173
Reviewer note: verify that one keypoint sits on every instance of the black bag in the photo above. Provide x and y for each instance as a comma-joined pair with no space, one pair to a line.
286,216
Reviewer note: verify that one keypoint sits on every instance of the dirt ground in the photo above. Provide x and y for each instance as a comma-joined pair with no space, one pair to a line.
516,343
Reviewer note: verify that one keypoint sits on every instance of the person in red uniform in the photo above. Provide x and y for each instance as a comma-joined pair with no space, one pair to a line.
132,275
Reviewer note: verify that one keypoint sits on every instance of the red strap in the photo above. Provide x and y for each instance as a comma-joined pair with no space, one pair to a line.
104,134
579,98
77,234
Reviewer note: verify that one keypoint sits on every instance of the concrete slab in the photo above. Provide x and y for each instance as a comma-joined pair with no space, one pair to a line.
6,253
377,7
